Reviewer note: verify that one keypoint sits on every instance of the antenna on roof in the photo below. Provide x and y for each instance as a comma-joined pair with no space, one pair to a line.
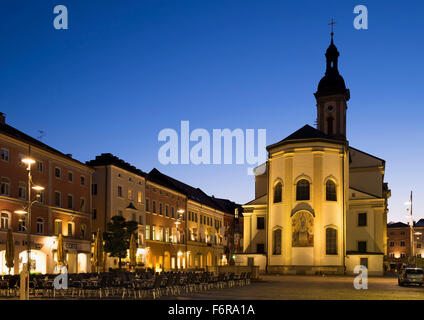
42,134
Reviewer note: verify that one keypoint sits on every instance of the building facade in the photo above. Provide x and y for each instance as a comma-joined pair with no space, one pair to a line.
63,207
118,189
320,205
399,243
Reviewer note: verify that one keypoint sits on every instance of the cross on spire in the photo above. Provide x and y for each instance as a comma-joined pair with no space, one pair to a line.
332,23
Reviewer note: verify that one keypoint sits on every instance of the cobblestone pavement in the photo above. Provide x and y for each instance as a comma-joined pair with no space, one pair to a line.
314,287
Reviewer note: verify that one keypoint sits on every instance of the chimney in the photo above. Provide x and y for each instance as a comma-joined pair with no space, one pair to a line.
2,118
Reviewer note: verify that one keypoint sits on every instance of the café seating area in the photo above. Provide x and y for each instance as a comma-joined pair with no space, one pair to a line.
145,284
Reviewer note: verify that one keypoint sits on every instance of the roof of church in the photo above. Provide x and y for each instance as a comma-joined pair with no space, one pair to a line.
306,133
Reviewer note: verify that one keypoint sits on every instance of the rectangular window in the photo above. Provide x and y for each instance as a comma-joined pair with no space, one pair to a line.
130,194
94,189
40,226
276,242
57,199
403,255
260,248
70,201
22,224
153,232
172,212
147,204
140,219
154,206
167,210
167,235
22,191
70,177
362,219
82,231
160,208
147,232
82,204
57,172
362,246
70,229
119,191
40,166
5,154
94,214
57,227
402,243
260,223
418,245
139,197
392,244
82,180
364,262
5,187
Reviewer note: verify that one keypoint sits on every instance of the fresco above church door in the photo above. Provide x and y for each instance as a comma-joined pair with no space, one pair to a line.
303,229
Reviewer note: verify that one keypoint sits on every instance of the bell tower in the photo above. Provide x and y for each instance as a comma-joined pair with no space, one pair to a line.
332,96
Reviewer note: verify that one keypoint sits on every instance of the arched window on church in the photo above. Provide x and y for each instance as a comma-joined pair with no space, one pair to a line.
330,126
331,241
276,237
330,191
302,190
278,192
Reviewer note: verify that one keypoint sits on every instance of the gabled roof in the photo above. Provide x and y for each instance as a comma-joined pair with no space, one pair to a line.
19,135
306,133
419,223
192,193
397,225
106,159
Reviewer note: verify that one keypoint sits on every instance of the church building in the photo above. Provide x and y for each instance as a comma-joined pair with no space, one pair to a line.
320,204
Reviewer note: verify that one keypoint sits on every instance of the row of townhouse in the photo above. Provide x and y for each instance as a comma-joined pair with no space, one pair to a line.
179,226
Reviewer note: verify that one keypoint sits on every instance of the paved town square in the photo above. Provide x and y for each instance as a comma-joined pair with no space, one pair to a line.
313,288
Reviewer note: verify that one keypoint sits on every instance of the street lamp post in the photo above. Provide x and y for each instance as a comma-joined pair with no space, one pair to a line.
29,162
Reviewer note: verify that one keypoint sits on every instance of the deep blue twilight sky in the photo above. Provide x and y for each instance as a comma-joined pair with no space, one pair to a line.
127,69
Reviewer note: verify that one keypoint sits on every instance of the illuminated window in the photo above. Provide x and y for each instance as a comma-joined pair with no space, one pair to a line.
153,232
4,220
331,241
40,225
302,190
22,224
140,197
130,194
330,191
57,227
276,248
147,232
82,204
83,230
278,191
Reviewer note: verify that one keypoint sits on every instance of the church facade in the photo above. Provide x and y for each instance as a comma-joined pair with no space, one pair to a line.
320,205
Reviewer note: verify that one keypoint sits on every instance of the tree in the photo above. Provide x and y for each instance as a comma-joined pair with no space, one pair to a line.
117,237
